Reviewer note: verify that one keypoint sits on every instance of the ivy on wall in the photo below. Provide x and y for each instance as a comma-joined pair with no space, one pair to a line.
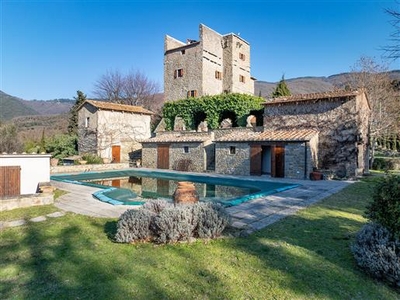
212,109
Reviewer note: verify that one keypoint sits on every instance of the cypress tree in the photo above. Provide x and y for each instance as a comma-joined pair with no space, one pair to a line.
73,118
281,89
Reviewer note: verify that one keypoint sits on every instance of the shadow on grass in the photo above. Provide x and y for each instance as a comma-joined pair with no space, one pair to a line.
110,229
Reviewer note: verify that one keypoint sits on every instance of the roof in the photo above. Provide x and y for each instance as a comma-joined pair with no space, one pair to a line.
313,97
179,138
118,107
296,135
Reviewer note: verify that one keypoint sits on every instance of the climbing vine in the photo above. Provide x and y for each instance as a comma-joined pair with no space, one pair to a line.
212,108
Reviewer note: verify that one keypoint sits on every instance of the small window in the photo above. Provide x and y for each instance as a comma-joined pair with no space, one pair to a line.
242,78
192,94
242,56
218,75
87,122
182,52
185,149
232,150
178,73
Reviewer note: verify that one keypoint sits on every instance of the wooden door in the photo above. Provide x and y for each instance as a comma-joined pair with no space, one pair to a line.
163,156
278,161
10,181
255,160
116,154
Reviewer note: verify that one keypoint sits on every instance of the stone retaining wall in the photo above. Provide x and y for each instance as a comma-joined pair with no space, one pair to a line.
26,201
87,168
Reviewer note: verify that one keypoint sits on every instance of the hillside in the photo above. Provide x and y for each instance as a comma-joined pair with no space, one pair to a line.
11,107
306,85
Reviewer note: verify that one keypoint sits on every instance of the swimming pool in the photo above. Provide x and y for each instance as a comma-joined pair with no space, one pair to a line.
227,190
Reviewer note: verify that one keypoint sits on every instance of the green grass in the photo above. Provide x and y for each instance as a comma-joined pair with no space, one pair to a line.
27,213
306,256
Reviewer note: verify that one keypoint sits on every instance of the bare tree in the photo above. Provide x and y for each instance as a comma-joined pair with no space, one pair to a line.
393,50
134,88
383,97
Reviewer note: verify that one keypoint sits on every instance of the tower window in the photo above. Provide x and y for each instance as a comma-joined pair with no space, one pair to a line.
178,73
185,149
242,78
232,150
192,94
87,122
218,75
242,56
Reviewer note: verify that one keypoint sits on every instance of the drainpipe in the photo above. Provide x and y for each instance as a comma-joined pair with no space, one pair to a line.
305,160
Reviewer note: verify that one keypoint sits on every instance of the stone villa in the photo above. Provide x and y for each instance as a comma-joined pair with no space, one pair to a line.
300,133
213,65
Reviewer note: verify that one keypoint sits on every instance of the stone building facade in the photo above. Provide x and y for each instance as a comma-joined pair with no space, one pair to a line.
342,119
213,65
111,130
183,151
278,153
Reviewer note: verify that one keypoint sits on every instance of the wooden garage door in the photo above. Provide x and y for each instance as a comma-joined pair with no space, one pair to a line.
10,181
163,156
255,160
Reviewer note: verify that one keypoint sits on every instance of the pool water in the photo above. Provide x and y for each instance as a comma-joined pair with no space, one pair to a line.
135,186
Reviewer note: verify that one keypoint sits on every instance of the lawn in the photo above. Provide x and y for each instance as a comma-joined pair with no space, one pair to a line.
306,256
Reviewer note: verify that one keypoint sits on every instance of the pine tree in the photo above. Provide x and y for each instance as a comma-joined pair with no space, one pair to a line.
281,89
73,119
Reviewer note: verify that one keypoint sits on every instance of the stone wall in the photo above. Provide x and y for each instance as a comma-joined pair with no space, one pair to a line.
87,168
342,125
149,155
196,156
26,201
298,160
232,164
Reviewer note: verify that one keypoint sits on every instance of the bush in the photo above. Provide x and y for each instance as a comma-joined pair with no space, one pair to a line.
92,159
383,164
162,222
174,224
385,207
212,219
378,252
134,225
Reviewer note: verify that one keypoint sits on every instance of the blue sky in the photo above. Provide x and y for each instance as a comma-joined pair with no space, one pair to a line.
51,49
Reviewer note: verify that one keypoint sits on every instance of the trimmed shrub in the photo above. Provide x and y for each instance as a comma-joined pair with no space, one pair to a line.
378,252
156,206
162,222
134,225
212,219
385,207
174,224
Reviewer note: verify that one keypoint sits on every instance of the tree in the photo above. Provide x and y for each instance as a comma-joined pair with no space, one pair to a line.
281,89
73,119
371,76
134,88
393,50
9,141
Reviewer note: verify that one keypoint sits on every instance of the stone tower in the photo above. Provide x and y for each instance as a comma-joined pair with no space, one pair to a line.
213,65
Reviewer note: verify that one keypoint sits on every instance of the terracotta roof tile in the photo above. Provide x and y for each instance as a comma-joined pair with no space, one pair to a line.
269,135
312,97
178,138
119,107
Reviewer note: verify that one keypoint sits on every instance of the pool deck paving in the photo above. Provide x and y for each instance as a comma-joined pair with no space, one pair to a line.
248,217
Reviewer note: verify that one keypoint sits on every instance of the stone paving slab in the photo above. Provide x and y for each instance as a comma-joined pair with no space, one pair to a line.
38,219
